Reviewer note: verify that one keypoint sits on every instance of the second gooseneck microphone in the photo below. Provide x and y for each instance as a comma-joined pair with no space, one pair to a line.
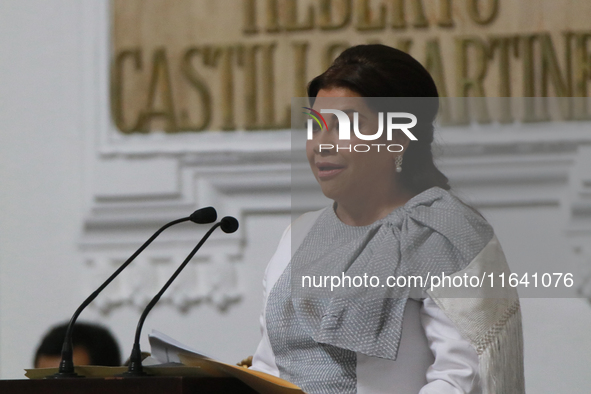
228,225
66,368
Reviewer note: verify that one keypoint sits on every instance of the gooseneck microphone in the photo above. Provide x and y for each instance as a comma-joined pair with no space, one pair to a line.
66,368
228,225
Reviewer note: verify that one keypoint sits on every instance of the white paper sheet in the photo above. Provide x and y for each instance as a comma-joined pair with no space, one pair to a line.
166,349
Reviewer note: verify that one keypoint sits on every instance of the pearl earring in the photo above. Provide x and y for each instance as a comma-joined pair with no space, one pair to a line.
398,162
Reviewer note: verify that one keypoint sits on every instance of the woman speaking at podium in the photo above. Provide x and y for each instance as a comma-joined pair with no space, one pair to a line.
340,313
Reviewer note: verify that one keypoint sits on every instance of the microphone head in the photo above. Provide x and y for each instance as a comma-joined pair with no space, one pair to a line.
228,224
204,215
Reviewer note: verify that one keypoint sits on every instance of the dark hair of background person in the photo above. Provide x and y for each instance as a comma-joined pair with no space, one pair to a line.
99,343
381,71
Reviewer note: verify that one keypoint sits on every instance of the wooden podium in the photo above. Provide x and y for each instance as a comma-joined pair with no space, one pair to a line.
145,385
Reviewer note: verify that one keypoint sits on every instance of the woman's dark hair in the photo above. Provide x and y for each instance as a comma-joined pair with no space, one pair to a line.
380,71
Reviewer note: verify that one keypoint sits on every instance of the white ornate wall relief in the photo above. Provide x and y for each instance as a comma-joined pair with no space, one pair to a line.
512,165
139,184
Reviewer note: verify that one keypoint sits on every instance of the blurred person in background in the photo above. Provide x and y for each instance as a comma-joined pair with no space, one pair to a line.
93,345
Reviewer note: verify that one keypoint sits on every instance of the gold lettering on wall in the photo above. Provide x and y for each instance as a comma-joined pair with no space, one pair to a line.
272,16
582,73
160,89
328,16
419,13
398,14
551,69
292,23
551,72
480,16
225,55
250,19
117,102
471,82
175,69
365,21
500,48
582,63
300,62
526,51
446,16
200,86
398,11
248,61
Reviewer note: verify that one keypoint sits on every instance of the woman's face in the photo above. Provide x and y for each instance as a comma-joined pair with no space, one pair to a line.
350,177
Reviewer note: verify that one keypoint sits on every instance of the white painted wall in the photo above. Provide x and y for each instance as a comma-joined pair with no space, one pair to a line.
45,172
41,140
53,123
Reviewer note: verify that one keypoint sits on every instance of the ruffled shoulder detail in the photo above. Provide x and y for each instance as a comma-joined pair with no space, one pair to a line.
339,274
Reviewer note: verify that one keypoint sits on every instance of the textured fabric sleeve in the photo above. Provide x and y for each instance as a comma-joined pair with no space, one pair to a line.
264,359
456,366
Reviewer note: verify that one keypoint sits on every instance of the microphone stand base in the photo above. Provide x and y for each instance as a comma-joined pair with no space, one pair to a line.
64,375
134,374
